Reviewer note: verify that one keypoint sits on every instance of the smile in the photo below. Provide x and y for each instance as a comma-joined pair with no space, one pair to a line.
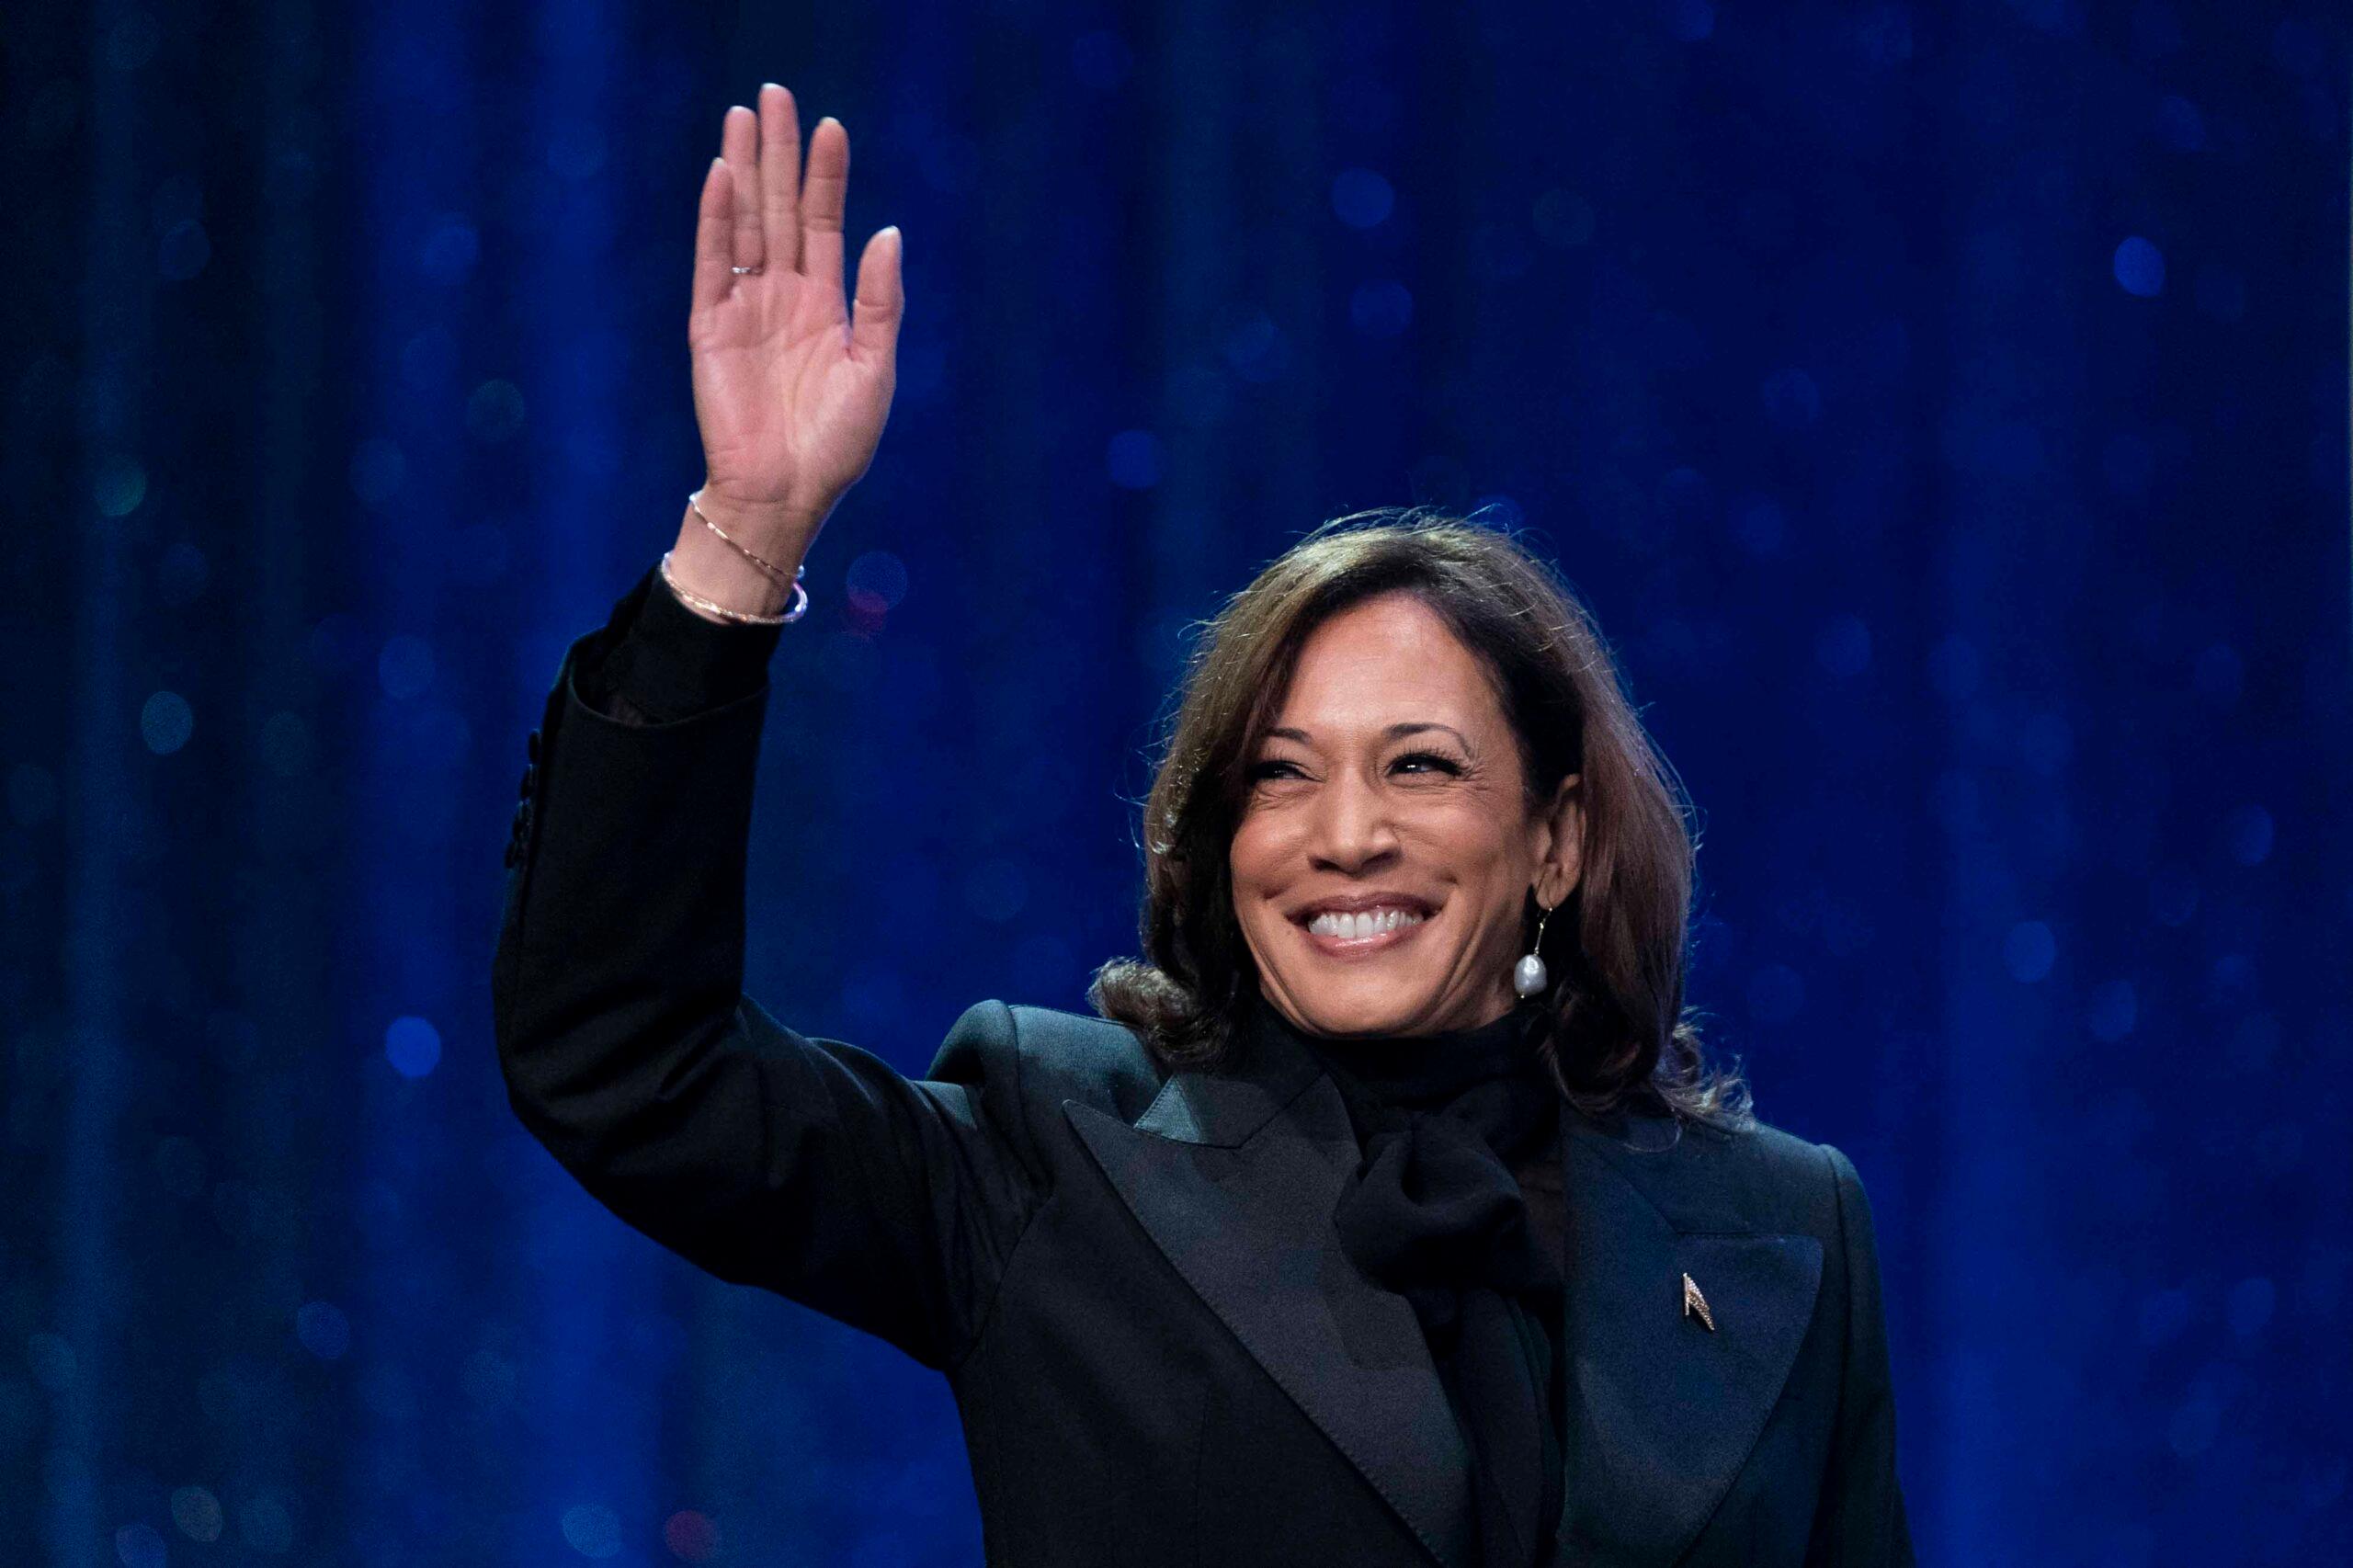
1342,936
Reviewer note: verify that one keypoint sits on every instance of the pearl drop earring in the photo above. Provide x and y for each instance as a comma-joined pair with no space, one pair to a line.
1529,976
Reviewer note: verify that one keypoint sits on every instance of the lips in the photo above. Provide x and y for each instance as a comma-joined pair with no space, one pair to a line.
1359,903
1363,946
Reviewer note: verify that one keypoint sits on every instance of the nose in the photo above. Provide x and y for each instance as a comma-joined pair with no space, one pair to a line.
1350,829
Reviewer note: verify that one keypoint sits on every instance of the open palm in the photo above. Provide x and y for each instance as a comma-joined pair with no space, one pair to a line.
791,389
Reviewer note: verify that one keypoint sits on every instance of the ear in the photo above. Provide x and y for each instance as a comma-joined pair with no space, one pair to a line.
1560,843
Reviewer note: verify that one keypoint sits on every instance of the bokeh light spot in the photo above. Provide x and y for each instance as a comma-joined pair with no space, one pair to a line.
2030,950
139,1546
1563,219
2247,831
2115,1008
495,412
1691,21
165,723
449,252
183,252
119,485
691,1537
377,470
198,1513
2140,267
265,1524
412,1046
1255,348
878,580
1362,199
321,1328
592,1530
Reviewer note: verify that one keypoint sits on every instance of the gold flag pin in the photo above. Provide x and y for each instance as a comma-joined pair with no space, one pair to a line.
1695,1303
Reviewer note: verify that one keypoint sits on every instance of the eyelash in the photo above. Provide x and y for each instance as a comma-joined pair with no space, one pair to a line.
1263,770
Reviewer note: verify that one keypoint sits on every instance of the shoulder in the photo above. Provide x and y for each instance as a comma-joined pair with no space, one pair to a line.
1760,1177
1043,1056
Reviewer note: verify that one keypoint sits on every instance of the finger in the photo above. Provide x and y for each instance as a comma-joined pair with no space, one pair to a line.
781,177
739,144
823,194
882,298
714,219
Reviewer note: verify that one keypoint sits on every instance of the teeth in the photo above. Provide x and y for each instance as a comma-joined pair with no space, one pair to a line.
1370,923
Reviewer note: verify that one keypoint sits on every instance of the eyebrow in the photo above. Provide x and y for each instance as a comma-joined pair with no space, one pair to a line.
1392,732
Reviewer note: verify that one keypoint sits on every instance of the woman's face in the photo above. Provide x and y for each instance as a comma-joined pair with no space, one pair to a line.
1391,778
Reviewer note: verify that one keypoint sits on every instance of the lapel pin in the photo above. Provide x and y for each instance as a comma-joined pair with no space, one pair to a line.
1695,1303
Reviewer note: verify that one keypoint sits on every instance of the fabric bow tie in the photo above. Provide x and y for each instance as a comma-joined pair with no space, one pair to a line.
1434,1212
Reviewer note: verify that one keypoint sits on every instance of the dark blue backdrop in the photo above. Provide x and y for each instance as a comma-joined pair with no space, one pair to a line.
1944,409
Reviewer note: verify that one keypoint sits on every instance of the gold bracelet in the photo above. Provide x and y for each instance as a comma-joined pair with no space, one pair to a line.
740,617
771,568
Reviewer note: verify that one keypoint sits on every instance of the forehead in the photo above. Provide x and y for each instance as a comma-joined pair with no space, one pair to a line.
1384,659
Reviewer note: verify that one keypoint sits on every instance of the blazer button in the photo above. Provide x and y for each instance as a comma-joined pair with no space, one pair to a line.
532,747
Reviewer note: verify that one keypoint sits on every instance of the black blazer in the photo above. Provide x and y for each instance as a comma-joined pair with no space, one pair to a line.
1161,1356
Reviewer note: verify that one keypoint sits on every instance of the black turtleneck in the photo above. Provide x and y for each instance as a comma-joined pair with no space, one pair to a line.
1440,1212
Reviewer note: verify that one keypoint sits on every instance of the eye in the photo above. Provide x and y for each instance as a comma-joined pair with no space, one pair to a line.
1268,769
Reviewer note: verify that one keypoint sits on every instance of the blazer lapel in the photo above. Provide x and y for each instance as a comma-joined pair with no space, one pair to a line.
1234,1176
1662,1412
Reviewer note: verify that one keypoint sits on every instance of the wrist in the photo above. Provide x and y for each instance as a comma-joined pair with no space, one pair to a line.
751,521
706,566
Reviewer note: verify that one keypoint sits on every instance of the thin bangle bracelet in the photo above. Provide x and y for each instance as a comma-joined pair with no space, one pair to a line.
740,617
775,572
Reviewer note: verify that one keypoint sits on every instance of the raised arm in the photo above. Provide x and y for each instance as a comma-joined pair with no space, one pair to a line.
791,387
800,1164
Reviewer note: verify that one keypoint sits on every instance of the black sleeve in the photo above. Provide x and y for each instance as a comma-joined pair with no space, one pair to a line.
800,1164
1861,1522
660,661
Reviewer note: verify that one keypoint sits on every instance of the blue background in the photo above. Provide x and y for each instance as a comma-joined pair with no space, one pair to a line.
1944,409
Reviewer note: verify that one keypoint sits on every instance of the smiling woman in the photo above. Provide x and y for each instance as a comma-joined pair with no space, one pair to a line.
1409,712
1384,1218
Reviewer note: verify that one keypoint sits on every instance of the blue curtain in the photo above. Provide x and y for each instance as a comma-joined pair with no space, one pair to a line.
1943,408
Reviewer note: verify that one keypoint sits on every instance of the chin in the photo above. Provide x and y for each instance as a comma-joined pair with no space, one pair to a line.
1339,1012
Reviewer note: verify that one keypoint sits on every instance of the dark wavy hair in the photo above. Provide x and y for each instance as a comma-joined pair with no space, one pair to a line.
1619,1037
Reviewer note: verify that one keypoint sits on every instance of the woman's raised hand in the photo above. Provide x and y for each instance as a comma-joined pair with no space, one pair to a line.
791,385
